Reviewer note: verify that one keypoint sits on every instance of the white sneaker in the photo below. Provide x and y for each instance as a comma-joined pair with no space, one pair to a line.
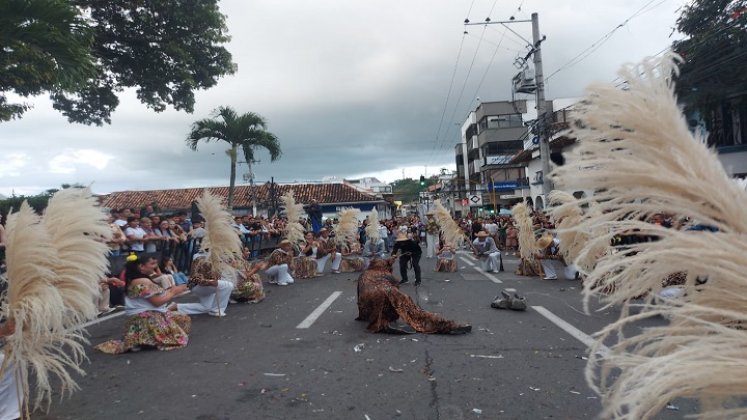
283,284
217,314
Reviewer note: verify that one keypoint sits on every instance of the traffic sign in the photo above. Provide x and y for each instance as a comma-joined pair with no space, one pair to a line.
475,200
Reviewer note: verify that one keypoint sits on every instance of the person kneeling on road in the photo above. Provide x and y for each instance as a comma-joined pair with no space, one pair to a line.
279,263
212,288
551,258
487,252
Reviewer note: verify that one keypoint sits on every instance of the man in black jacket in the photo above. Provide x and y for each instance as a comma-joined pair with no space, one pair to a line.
411,252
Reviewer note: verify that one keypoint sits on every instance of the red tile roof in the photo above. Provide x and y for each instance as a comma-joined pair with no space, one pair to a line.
175,199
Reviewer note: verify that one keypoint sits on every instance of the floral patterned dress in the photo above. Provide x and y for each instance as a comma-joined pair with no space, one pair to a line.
167,330
248,288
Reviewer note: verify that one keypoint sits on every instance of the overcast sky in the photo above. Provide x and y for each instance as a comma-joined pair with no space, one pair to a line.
351,88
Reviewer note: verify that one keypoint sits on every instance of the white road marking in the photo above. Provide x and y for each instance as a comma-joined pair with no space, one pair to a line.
309,321
466,261
490,276
99,320
570,329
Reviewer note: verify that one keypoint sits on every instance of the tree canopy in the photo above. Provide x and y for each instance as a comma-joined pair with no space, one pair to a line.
715,52
95,49
408,189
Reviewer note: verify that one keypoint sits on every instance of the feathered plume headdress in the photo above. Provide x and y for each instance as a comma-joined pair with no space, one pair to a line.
346,229
527,244
452,234
372,229
294,230
221,239
636,152
54,267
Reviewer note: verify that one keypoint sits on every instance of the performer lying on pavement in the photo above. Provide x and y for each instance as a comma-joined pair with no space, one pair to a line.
380,303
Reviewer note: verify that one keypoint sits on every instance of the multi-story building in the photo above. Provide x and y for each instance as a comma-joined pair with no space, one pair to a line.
491,135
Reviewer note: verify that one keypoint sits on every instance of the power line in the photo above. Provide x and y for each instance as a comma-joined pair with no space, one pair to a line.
451,85
601,41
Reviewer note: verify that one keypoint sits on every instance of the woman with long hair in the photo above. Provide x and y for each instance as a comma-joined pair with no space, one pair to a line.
153,320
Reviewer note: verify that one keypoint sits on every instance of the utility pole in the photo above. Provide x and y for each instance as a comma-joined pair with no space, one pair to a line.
544,139
536,52
250,177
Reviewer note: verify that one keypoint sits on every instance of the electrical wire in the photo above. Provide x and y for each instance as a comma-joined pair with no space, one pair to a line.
601,41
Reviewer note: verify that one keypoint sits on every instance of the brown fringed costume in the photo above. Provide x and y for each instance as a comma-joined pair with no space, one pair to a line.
380,303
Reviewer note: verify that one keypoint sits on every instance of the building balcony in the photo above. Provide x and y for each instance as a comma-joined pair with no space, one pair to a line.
501,134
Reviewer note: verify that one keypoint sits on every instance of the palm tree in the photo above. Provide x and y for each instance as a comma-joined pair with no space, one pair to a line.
245,131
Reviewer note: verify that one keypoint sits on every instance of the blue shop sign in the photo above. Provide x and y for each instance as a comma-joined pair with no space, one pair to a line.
503,186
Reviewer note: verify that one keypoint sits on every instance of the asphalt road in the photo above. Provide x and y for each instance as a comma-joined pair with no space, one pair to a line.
257,364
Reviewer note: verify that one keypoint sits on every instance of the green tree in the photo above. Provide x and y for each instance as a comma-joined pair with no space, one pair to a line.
164,49
45,45
714,52
245,131
408,189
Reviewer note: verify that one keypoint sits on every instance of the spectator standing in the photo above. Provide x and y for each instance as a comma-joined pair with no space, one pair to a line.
135,235
314,211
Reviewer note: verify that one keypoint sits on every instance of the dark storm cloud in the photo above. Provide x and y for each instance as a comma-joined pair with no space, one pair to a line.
350,88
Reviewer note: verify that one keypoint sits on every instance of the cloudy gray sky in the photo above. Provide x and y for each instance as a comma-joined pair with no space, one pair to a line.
351,88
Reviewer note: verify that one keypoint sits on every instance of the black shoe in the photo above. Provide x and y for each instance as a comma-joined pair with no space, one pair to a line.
417,282
403,281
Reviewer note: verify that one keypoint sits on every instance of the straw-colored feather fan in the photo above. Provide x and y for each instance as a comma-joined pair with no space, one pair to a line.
294,230
451,233
221,239
372,228
636,151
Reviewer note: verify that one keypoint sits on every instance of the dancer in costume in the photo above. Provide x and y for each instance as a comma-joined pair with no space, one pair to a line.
248,283
446,259
212,275
452,238
552,260
487,252
431,235
409,252
305,262
327,251
529,265
352,261
213,288
380,302
153,320
279,264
